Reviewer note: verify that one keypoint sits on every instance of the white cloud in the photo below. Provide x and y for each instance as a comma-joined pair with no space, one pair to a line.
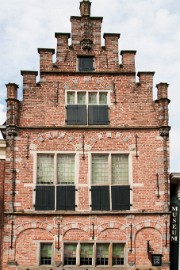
150,27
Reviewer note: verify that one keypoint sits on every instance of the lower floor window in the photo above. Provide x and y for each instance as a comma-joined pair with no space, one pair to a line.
102,254
106,254
86,254
70,254
46,254
118,254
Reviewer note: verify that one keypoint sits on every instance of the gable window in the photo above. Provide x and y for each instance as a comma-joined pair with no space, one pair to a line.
85,64
110,189
87,108
45,254
55,188
94,254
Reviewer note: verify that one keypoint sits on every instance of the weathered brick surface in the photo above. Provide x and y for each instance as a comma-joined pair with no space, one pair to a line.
138,126
2,175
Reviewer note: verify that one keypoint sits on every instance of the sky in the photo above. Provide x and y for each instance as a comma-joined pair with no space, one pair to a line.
151,27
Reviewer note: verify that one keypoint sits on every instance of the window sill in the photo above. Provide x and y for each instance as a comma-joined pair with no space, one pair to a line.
48,267
83,213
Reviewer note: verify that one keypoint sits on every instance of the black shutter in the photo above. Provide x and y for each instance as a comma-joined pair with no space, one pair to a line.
120,197
44,198
85,64
76,115
98,115
100,198
65,198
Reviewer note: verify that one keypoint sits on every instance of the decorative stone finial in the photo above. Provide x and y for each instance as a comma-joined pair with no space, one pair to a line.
85,8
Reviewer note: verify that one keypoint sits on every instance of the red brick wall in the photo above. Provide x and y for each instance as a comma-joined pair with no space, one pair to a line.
2,175
138,126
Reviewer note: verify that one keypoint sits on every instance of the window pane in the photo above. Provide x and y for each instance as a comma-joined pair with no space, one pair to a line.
100,169
102,98
46,254
70,254
118,254
45,169
45,195
85,63
98,115
102,254
76,115
66,168
86,254
92,98
71,98
120,169
81,98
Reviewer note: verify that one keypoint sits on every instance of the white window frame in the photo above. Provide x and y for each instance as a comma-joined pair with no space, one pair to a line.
86,99
55,153
76,176
110,166
110,172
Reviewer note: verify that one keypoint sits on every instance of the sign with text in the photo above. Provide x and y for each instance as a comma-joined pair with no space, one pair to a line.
156,259
174,223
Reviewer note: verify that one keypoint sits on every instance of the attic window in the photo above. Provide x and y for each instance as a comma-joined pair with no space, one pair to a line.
85,64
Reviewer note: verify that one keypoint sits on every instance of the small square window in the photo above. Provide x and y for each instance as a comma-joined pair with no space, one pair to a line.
81,98
86,64
46,254
92,98
71,98
103,98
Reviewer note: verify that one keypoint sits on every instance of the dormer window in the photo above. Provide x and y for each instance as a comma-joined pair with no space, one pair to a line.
86,64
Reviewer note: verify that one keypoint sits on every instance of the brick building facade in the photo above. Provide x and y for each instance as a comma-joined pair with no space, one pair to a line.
2,176
87,159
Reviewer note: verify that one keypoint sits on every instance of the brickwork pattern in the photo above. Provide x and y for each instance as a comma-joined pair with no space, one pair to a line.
138,126
2,175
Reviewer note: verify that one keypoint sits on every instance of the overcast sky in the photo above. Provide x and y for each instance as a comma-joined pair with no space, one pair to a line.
151,27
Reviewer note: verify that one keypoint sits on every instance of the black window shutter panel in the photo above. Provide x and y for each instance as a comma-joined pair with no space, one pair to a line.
120,197
86,64
76,115
44,198
65,198
100,198
98,115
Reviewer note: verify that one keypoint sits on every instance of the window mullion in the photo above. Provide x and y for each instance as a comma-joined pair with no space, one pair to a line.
110,254
97,99
78,254
76,97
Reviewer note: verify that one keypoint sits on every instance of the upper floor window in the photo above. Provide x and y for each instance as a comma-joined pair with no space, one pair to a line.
85,64
110,189
87,108
55,188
